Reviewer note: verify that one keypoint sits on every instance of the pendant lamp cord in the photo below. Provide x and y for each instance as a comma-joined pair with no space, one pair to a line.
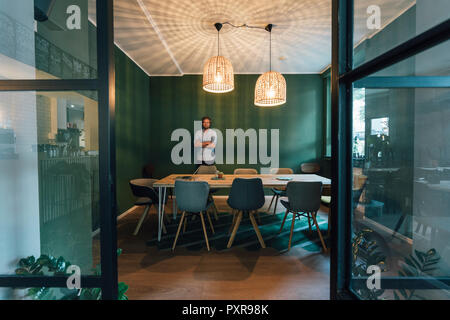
270,51
218,46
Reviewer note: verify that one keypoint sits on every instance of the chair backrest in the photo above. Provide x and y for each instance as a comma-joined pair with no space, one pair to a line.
304,196
206,169
245,171
281,171
144,188
192,196
148,171
310,167
246,194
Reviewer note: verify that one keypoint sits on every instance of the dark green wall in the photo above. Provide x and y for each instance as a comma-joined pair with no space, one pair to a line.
175,102
132,126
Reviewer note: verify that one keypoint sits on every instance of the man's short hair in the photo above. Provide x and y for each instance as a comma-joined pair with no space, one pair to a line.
204,118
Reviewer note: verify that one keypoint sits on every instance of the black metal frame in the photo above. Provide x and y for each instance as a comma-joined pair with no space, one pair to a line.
343,77
342,55
105,86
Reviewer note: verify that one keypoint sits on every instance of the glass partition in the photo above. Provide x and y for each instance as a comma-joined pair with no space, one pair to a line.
50,181
50,149
48,39
381,25
401,175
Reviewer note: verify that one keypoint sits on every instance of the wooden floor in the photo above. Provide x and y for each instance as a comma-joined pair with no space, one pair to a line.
234,274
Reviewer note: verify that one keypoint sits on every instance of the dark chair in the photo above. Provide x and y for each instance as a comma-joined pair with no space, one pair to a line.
203,169
192,198
143,190
278,192
303,200
326,201
246,196
148,171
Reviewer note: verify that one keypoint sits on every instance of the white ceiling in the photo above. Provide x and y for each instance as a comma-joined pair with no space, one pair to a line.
176,37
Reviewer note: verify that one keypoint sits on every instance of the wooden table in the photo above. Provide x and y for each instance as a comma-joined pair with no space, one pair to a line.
268,180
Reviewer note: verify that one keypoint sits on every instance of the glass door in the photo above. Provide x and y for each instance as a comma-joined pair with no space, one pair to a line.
56,209
394,91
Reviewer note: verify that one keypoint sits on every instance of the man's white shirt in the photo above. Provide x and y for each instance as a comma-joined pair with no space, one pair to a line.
205,154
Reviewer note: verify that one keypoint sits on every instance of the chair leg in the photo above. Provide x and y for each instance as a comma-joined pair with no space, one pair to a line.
292,232
234,220
236,226
166,218
257,216
185,225
214,207
268,209
318,231
309,223
204,230
164,227
284,219
210,222
141,220
258,233
276,203
178,231
216,216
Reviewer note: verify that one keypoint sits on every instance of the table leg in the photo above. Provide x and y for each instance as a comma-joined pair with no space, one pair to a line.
159,212
163,208
174,205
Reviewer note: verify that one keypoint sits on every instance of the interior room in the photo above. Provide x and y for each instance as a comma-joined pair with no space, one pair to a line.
224,150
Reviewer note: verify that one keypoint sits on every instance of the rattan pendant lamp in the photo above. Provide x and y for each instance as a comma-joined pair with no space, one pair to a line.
218,75
270,89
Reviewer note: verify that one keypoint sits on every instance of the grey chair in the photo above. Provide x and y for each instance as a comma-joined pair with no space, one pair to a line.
303,200
143,190
310,167
203,169
245,171
278,192
246,196
192,198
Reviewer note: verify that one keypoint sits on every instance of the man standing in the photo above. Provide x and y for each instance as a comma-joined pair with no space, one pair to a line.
204,143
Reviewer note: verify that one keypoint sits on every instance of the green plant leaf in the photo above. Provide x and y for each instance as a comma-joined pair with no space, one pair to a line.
22,271
404,293
420,255
412,264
